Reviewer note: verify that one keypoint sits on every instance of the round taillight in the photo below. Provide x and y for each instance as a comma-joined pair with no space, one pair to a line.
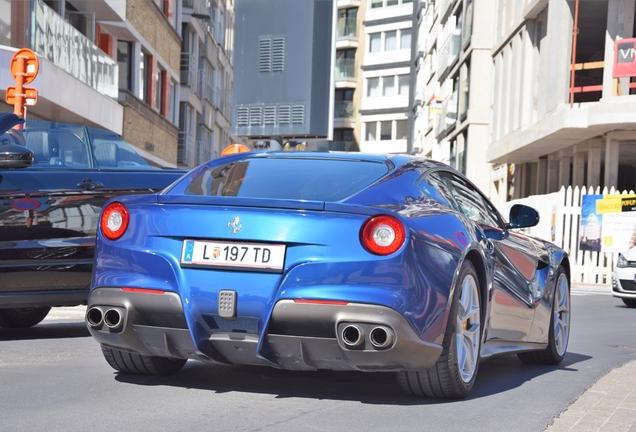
114,220
383,235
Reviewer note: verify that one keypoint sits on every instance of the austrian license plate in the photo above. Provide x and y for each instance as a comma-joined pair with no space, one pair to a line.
245,256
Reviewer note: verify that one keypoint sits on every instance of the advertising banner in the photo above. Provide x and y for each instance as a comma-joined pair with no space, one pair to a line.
608,223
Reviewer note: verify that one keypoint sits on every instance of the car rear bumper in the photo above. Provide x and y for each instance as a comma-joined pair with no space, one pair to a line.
299,336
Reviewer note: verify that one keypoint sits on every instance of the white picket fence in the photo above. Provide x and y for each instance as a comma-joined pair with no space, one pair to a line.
560,220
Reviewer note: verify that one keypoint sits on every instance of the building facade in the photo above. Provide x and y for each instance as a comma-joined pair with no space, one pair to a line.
562,119
206,80
386,69
450,102
157,72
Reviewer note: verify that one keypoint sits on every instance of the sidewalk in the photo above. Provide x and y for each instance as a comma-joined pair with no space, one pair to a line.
608,406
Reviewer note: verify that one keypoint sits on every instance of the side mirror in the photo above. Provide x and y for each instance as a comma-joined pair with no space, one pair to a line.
522,216
15,156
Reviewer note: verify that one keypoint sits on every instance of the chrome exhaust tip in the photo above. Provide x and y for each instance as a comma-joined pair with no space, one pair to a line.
94,317
381,337
113,319
352,335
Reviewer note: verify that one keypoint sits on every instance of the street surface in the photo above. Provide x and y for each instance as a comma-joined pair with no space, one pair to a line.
53,378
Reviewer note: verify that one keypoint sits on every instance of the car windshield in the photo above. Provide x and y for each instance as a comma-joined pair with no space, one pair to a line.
68,146
318,179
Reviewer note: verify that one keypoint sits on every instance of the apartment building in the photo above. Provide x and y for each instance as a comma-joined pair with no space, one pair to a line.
205,81
450,102
386,68
562,119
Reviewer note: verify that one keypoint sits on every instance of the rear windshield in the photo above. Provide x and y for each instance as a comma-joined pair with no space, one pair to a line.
284,178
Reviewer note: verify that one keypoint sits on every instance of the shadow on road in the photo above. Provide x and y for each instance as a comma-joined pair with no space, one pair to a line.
495,376
56,330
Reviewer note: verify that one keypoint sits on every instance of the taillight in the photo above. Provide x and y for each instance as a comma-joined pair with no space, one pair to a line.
114,220
383,235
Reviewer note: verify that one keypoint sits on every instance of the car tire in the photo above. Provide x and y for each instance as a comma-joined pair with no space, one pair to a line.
629,302
453,376
134,363
22,317
559,333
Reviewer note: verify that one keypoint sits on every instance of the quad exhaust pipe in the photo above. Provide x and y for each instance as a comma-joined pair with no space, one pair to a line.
381,337
366,336
112,318
352,335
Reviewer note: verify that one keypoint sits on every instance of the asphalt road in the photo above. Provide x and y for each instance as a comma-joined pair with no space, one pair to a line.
53,378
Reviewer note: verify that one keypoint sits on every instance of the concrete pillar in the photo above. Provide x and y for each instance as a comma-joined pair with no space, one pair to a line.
532,182
542,176
518,177
578,169
553,175
620,23
564,171
611,161
559,56
594,165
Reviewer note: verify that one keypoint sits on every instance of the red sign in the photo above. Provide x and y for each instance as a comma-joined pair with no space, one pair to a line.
624,58
26,204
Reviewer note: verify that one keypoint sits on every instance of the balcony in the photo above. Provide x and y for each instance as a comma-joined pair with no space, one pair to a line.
185,147
347,28
59,42
188,71
344,109
346,72
448,53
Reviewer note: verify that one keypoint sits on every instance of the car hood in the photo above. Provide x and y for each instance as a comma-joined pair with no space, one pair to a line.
8,120
630,255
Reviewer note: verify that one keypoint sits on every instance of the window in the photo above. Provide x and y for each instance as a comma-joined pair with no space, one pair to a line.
391,2
370,134
373,87
388,86
302,178
376,4
471,202
405,39
400,129
375,42
403,85
124,61
433,186
385,130
172,109
144,76
390,40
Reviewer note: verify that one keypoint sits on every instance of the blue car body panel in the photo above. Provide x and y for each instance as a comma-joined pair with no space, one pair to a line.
327,273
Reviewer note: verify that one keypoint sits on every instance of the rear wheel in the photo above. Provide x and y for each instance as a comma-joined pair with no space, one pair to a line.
629,302
559,326
134,363
454,374
22,317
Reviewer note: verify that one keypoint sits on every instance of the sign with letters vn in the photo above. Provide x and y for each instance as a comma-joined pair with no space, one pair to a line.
624,58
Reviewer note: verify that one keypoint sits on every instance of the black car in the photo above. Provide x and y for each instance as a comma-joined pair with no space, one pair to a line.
51,195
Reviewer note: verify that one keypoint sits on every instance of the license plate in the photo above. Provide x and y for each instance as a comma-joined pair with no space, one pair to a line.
238,255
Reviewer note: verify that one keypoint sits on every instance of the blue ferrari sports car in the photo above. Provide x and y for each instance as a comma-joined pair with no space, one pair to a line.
340,261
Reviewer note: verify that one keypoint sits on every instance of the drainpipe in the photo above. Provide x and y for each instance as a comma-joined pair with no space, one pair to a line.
575,33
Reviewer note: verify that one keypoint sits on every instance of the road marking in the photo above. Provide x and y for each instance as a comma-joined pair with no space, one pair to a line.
590,290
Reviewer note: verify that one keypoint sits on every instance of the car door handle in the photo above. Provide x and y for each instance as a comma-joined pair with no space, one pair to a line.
88,184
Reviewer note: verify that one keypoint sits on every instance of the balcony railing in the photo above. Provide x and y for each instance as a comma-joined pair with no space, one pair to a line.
189,70
345,68
347,27
448,52
185,147
204,153
67,48
344,109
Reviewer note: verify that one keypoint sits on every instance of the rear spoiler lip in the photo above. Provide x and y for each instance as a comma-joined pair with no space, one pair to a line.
336,207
